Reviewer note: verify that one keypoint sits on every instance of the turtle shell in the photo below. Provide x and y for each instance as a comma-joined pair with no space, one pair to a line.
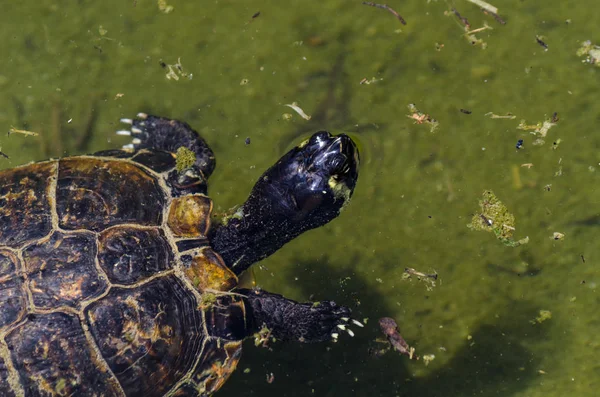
103,279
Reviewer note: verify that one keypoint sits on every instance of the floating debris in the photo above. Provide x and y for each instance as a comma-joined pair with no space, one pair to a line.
466,26
494,15
421,118
414,272
13,130
264,337
556,143
559,172
528,165
519,144
164,7
427,358
538,39
298,110
428,279
540,129
494,217
3,154
174,71
470,35
373,80
270,378
465,111
542,316
557,236
464,20
387,8
591,52
486,6
389,328
509,116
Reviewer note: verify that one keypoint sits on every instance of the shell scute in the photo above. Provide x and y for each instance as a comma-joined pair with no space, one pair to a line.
96,193
189,216
25,195
207,271
53,358
216,366
150,336
61,270
128,254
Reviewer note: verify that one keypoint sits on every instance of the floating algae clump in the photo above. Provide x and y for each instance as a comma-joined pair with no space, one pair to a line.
494,217
591,52
185,158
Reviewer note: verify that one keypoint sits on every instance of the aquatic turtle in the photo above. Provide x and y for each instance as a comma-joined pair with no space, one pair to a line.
113,283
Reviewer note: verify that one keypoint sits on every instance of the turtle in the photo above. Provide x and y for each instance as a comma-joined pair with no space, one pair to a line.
116,279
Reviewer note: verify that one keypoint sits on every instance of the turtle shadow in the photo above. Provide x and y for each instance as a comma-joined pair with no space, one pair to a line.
495,361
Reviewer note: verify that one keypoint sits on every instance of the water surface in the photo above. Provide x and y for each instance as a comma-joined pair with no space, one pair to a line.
71,69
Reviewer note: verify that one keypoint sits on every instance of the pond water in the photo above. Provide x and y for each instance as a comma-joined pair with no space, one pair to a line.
499,320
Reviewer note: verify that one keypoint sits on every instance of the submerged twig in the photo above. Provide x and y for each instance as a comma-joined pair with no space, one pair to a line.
298,110
464,20
388,8
484,5
13,130
496,16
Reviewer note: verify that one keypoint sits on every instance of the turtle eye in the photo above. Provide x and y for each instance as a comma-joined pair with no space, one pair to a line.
339,165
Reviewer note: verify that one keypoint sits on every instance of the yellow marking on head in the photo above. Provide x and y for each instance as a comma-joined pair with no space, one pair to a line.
303,143
340,189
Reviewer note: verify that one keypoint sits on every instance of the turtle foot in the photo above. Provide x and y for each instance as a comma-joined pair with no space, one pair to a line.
304,322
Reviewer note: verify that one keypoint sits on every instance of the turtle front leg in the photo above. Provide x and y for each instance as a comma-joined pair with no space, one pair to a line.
160,140
286,319
161,133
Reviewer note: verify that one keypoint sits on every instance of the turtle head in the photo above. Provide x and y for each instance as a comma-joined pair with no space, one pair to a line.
314,181
305,189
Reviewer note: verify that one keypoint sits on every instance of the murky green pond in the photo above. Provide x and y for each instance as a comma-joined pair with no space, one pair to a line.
71,69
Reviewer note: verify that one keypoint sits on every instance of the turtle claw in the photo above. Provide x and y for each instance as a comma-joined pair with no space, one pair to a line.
134,130
343,325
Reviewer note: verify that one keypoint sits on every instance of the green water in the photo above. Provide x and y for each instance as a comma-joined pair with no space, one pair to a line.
71,69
